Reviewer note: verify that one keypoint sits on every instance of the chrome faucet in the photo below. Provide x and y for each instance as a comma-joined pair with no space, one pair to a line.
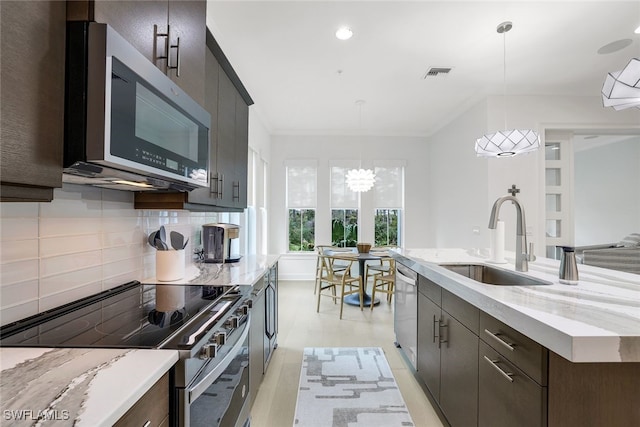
522,257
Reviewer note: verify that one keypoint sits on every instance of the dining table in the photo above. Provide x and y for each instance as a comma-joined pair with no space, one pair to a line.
362,258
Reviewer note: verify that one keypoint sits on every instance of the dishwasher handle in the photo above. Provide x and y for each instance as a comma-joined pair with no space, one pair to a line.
406,275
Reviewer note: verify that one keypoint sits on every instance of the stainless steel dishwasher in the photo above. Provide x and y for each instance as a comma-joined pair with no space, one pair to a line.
406,312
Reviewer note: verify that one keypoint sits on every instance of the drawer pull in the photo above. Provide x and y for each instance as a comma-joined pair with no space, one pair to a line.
507,375
147,424
508,345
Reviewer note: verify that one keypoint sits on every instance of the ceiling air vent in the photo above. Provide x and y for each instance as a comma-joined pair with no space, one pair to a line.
436,71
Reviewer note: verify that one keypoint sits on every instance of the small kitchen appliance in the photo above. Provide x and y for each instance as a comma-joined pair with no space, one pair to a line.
218,243
127,125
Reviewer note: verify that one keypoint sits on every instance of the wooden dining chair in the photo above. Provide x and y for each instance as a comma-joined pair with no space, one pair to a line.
385,282
341,283
320,270
383,267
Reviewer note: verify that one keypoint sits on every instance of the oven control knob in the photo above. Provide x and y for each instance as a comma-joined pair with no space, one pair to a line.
250,303
243,310
220,338
232,322
208,351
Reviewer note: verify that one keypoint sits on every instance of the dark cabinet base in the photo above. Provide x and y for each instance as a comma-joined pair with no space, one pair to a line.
593,394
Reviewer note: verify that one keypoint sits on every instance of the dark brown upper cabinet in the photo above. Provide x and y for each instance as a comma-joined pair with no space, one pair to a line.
32,38
228,102
171,34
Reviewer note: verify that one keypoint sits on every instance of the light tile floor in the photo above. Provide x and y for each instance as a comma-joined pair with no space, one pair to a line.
300,326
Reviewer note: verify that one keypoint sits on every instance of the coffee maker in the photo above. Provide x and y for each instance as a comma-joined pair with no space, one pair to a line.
217,242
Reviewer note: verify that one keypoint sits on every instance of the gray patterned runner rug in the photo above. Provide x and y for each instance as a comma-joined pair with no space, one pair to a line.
348,387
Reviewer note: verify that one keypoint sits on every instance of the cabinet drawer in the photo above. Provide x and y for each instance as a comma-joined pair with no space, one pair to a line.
506,396
461,310
429,289
524,352
152,408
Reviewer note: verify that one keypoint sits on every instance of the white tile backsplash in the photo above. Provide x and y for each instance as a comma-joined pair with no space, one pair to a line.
51,285
18,250
62,245
85,241
12,228
19,271
69,263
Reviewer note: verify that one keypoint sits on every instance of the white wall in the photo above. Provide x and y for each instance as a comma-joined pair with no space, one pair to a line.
323,149
463,187
458,183
607,193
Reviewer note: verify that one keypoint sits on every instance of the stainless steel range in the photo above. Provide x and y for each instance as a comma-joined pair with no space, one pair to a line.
208,325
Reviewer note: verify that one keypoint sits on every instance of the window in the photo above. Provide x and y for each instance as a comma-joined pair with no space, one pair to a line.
387,227
388,202
301,205
344,210
344,227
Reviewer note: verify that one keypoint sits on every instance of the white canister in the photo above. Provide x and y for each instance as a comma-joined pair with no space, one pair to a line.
170,265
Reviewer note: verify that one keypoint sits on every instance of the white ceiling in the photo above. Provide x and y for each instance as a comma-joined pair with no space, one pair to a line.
288,58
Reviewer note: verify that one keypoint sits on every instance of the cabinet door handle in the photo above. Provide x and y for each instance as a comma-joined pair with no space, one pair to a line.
220,185
236,186
509,345
147,424
213,190
435,334
177,66
443,339
157,34
507,375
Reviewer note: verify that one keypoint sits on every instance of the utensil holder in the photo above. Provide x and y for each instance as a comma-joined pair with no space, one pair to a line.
170,265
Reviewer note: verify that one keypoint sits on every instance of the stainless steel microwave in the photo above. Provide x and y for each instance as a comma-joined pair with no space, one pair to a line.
127,125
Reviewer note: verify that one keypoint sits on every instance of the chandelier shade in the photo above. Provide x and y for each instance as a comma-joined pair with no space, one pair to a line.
621,89
360,180
507,143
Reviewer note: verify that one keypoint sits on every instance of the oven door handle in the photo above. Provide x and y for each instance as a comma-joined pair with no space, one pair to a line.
201,386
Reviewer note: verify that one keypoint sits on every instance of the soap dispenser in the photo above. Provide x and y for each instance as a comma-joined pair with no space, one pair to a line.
568,267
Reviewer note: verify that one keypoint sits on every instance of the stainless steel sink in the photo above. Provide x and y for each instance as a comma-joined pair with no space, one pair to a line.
493,276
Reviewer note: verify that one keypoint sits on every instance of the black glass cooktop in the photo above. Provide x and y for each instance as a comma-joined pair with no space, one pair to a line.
131,315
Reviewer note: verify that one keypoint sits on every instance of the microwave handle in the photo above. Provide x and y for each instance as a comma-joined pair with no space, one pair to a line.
157,34
177,66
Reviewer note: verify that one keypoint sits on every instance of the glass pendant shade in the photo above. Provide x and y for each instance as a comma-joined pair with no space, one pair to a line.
621,89
360,180
507,143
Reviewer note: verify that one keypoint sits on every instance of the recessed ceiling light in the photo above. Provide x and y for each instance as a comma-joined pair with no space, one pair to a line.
344,33
637,31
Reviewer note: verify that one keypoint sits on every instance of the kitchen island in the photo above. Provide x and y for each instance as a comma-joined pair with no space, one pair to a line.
77,386
548,354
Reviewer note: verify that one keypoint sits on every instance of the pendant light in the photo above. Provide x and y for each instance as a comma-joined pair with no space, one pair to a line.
360,180
621,89
508,142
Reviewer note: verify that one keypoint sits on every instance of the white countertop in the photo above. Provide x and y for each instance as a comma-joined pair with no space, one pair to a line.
247,271
81,387
597,320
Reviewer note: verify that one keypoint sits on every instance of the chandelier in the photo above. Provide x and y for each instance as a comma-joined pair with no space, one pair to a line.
506,143
621,89
360,180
